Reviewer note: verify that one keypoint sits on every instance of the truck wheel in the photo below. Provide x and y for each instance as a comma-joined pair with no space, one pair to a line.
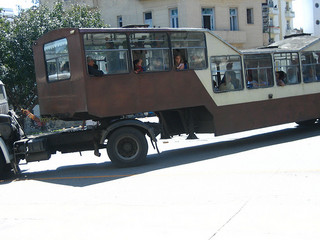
5,168
127,147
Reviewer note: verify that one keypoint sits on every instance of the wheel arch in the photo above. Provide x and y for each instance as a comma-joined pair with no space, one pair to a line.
146,129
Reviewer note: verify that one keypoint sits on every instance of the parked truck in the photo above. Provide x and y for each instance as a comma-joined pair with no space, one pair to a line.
190,78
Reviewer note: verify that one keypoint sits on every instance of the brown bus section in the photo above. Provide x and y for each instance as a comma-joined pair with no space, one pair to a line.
136,70
190,78
77,94
82,96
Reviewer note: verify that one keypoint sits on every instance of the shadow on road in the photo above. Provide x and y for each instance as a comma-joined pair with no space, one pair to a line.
89,174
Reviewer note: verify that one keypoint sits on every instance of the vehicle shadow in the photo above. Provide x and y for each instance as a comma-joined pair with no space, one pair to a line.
89,174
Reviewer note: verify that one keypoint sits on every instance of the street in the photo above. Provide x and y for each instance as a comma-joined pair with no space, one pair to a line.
261,184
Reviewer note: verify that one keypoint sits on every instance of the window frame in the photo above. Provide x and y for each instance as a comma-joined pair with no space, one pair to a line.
100,51
268,70
185,50
250,16
234,19
219,74
149,62
58,71
174,17
286,67
148,21
212,18
315,66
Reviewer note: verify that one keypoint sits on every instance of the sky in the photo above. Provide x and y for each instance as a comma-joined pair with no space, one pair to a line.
15,3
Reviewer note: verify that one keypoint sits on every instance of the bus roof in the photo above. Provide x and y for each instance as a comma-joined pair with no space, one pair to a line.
292,44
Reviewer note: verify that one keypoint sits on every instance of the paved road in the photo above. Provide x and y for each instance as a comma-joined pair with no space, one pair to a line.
261,184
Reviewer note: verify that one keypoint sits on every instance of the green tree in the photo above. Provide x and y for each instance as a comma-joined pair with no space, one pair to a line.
17,36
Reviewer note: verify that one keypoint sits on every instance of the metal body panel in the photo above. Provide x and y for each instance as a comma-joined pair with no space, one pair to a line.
182,97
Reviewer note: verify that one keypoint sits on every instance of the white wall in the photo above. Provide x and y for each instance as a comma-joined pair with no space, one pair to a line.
304,15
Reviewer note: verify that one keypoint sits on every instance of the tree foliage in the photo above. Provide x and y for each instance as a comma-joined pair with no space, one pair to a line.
17,36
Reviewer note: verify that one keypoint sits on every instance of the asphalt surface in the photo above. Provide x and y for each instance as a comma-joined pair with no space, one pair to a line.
261,184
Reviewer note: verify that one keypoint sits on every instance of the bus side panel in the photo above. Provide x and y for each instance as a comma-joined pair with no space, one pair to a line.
253,115
65,97
133,93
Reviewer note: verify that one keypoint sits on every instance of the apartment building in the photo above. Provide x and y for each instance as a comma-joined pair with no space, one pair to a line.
239,22
280,19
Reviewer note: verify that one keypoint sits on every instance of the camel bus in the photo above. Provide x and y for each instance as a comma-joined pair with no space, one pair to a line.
191,79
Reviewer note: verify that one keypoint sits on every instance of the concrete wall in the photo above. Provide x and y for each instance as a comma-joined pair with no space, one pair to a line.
132,12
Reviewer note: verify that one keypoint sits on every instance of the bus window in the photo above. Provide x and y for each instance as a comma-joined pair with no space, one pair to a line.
226,73
310,66
289,64
152,49
258,68
191,47
108,50
57,60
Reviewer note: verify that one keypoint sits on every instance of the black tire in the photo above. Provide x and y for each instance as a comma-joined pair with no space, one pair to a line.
5,169
127,147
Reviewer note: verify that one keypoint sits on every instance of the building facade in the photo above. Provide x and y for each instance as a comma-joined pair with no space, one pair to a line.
280,19
239,22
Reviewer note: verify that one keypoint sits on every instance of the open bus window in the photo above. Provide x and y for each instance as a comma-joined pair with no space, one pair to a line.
258,68
191,47
57,60
108,50
289,64
310,66
226,73
152,49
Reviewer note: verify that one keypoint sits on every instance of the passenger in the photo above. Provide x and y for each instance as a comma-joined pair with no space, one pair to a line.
65,67
137,64
157,64
227,85
291,76
308,74
280,76
93,68
197,62
250,82
234,80
179,63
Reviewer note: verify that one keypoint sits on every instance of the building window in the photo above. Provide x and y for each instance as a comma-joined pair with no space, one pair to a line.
119,21
148,19
174,21
288,25
208,18
249,15
234,19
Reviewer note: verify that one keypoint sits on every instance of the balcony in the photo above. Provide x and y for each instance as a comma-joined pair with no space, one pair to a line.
273,11
290,14
274,30
232,37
